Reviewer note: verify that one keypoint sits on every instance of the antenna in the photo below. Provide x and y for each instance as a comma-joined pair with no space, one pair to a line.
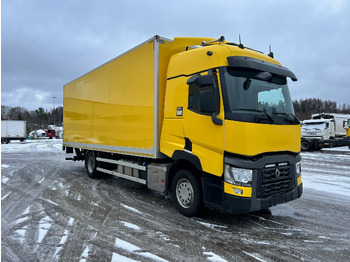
271,53
221,39
240,42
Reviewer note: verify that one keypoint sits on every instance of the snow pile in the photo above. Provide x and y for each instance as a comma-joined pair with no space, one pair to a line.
37,133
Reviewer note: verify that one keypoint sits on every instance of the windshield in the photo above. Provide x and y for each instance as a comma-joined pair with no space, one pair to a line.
314,126
255,96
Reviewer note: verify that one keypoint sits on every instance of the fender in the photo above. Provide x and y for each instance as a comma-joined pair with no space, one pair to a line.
183,155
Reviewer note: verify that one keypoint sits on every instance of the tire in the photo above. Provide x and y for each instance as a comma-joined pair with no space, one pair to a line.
7,140
187,193
306,145
91,165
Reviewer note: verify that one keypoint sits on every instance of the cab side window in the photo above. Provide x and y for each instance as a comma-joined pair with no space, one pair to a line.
194,96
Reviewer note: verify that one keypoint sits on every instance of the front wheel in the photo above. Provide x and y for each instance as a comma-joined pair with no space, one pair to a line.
91,164
306,145
187,193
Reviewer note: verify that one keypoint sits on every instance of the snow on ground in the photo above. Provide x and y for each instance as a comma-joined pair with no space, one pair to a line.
37,145
319,173
51,211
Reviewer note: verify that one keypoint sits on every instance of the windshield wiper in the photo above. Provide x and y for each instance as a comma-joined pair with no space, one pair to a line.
288,114
256,110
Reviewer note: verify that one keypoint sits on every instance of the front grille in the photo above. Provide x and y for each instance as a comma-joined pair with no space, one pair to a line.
274,179
276,187
269,174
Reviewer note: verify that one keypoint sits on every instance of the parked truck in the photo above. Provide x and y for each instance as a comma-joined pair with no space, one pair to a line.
324,130
50,133
347,127
208,122
13,130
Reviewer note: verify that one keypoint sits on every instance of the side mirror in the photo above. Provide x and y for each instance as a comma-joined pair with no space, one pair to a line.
208,103
202,81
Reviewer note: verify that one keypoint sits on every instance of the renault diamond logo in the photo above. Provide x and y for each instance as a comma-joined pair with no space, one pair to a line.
277,172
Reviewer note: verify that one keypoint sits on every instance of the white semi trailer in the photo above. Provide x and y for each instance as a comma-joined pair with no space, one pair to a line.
13,130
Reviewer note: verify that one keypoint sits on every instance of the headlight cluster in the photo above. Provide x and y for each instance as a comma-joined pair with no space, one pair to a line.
238,176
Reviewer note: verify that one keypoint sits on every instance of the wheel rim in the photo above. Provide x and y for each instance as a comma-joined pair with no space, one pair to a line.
184,193
90,164
304,145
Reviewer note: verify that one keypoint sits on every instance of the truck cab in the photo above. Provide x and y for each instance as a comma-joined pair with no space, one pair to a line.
229,117
318,128
50,133
347,127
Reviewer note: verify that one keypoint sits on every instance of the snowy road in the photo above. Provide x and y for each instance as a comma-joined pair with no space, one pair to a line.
51,211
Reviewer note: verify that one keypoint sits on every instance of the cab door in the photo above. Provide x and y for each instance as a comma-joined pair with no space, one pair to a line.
203,124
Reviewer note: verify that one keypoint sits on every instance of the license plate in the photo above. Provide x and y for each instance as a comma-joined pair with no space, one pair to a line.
311,133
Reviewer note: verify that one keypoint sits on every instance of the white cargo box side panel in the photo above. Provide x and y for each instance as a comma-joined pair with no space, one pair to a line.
13,129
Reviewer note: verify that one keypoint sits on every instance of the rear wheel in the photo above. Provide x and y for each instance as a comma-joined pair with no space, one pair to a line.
186,190
91,164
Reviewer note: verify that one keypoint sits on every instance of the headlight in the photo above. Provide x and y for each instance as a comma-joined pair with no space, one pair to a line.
298,169
238,176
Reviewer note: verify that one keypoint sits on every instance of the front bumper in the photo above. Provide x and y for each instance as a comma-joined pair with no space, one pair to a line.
239,205
274,182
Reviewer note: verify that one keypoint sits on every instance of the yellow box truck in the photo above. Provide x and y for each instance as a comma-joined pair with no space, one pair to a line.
207,121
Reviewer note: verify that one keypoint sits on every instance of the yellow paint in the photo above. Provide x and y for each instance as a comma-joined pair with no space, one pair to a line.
299,180
251,139
196,60
113,105
228,189
209,141
172,137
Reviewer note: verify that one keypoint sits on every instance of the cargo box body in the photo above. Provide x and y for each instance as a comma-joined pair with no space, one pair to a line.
118,107
13,129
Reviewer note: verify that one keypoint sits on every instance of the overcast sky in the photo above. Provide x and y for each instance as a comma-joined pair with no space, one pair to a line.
46,44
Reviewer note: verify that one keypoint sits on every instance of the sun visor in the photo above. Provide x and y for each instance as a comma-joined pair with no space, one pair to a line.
253,63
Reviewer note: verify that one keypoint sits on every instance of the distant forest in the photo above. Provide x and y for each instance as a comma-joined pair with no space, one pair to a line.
40,118
305,107
36,119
